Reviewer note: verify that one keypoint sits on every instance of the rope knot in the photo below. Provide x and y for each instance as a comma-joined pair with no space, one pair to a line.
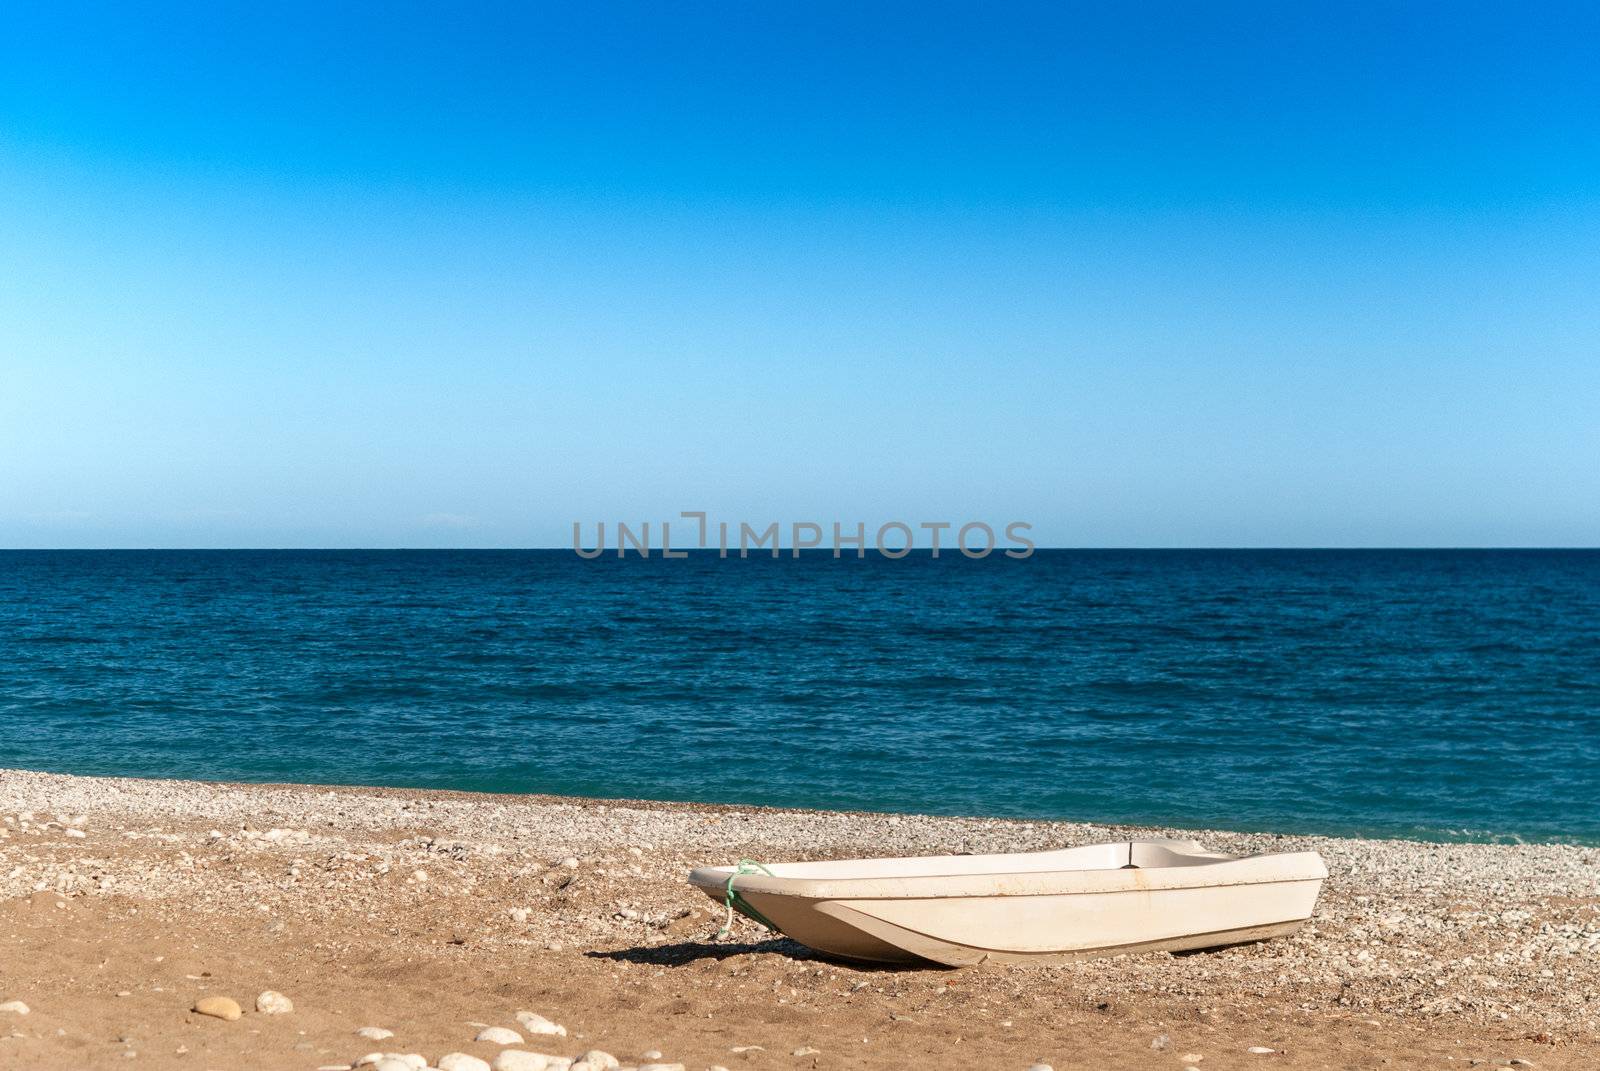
734,902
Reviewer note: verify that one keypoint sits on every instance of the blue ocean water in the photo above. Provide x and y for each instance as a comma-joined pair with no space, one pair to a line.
1437,694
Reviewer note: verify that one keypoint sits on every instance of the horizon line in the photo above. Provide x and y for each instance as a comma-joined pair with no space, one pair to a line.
785,551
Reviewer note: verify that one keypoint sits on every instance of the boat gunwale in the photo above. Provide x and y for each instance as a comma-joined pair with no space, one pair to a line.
1262,869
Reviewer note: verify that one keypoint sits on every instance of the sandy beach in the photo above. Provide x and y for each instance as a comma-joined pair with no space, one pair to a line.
437,915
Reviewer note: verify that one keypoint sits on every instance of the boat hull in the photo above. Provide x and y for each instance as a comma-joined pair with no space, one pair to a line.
1033,916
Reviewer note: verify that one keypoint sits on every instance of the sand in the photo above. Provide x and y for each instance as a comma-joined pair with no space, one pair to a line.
434,915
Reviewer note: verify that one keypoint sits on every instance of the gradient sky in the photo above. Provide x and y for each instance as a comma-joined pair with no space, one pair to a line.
457,275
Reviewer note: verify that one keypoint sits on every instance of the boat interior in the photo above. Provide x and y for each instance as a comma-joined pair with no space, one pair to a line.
1116,856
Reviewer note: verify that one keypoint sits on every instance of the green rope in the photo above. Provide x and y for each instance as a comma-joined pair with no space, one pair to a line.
735,902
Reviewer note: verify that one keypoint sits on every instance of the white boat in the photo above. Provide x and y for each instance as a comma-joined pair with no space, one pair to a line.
1034,907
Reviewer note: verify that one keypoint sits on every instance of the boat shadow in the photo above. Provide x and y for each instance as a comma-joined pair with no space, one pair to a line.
683,952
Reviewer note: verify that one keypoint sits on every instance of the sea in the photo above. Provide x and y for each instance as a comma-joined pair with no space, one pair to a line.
1431,694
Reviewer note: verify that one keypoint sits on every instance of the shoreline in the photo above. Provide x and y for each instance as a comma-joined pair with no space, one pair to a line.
435,908
1480,837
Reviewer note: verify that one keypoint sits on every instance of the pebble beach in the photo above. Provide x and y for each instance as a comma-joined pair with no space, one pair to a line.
160,924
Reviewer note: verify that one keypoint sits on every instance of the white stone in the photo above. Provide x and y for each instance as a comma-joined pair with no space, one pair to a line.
661,1067
519,1060
392,1063
76,834
460,1061
600,1059
272,1002
1259,1050
374,1033
499,1035
535,1023
413,1060
1040,1067
15,1007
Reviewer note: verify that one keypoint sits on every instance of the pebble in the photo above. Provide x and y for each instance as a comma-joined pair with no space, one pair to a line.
413,1060
1259,1050
272,1002
661,1067
518,1060
1191,1057
806,1050
499,1035
534,1023
374,1033
1040,1067
460,1061
650,1054
392,1063
219,1008
599,1059
15,1007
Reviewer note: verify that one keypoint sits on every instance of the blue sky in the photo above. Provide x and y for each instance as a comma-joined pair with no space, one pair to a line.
457,275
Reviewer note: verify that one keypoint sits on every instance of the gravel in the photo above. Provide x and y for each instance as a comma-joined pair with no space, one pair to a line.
1427,931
